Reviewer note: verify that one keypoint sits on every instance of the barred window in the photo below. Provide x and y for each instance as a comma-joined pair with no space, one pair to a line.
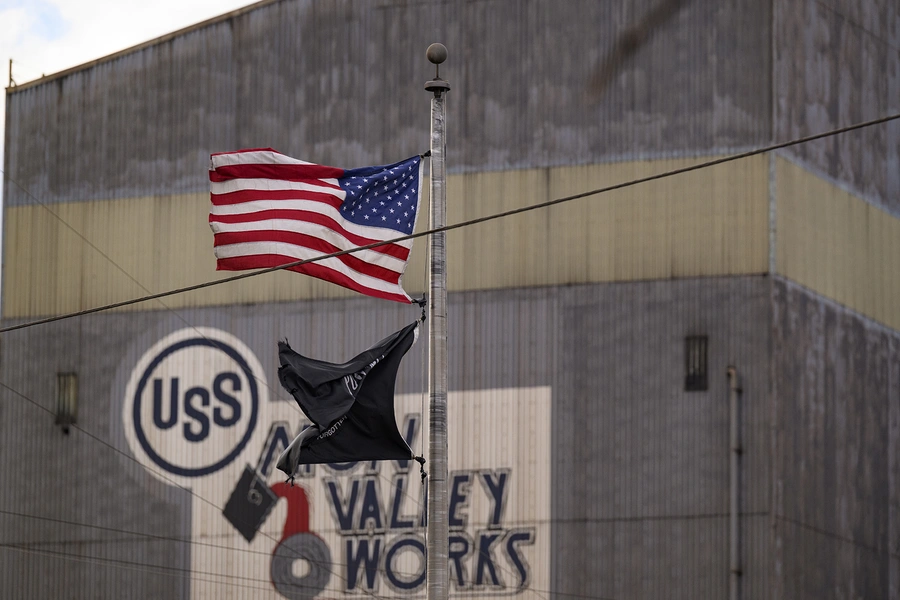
695,379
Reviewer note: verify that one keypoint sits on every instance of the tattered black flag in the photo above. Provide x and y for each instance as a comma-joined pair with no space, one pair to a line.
351,405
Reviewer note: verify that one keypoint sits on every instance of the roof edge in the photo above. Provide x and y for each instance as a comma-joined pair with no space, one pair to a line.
137,48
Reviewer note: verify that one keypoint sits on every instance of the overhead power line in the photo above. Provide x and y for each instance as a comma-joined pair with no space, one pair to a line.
120,268
220,579
24,547
326,566
469,223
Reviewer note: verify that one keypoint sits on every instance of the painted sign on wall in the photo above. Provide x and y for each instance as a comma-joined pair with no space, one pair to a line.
197,413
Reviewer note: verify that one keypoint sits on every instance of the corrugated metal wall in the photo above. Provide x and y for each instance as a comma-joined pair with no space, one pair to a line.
837,63
713,222
837,244
574,317
639,468
341,81
337,83
642,465
834,473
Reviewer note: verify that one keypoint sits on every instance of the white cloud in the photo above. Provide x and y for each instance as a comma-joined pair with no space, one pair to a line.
47,36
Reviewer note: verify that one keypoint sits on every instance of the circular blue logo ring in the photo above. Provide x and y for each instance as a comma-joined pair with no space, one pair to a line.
136,414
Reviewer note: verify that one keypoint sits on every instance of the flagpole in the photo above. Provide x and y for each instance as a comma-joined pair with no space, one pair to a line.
438,563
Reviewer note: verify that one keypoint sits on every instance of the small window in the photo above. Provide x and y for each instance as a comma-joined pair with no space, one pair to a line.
66,400
695,379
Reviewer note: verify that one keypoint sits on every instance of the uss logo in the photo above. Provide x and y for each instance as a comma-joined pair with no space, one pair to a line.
193,402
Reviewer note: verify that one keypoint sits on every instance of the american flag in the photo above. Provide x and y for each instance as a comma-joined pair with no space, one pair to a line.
269,209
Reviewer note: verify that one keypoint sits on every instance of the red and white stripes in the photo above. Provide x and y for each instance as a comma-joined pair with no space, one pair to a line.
269,209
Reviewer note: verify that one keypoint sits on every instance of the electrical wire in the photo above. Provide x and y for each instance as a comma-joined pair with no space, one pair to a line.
504,214
155,537
857,25
192,493
183,320
133,534
461,224
188,573
662,175
150,537
164,570
835,536
326,566
122,270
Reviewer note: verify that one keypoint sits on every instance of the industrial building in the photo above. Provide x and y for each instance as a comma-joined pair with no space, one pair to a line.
683,388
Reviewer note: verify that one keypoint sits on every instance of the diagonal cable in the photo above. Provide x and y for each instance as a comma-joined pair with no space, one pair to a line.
122,270
326,566
461,224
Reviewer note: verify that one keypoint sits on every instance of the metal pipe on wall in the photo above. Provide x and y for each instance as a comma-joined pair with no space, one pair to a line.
734,391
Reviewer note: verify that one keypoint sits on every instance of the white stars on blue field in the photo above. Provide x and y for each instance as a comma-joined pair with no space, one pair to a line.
385,196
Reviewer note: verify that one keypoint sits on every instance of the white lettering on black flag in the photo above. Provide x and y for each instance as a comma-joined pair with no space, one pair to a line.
350,421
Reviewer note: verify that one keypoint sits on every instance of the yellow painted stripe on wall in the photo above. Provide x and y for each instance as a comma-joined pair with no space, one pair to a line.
709,222
837,244
157,244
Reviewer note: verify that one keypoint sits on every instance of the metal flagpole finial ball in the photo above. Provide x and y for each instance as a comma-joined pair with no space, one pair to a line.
436,54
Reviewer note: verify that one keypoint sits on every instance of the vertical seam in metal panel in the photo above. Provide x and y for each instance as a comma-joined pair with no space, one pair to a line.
771,569
773,214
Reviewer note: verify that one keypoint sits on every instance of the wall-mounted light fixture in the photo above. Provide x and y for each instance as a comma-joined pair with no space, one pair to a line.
695,379
66,400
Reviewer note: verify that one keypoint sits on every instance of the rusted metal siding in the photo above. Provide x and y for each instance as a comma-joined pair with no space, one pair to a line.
340,82
633,469
835,417
75,521
836,63
641,474
584,308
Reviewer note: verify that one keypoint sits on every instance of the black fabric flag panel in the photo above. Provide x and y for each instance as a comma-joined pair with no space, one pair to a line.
350,405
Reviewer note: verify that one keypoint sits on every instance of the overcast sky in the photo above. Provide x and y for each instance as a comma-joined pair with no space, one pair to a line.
47,36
